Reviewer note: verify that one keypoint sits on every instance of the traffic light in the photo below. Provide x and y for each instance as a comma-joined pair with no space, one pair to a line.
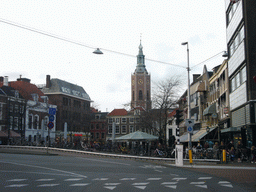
178,116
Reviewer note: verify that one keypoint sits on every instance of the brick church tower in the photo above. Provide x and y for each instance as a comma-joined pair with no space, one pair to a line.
140,84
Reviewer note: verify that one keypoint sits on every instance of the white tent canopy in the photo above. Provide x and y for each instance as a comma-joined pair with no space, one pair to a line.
138,135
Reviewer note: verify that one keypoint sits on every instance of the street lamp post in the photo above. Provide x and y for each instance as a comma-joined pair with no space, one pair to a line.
189,114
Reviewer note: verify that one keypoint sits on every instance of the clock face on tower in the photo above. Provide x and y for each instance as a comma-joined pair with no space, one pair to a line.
140,81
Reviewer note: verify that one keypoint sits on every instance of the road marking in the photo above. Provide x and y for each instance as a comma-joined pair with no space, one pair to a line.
73,179
227,185
159,171
171,186
111,188
45,179
104,161
48,185
17,185
169,183
177,179
202,186
223,182
101,179
140,183
154,179
140,187
127,179
197,183
205,178
112,183
17,180
35,166
79,184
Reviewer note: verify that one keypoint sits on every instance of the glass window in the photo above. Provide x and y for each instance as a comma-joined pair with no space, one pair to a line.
102,135
1,111
117,120
123,120
110,129
30,122
233,84
124,129
140,95
97,126
131,128
92,126
132,120
117,129
110,120
243,75
237,80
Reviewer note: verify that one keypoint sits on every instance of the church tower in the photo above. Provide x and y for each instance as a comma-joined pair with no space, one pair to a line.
140,84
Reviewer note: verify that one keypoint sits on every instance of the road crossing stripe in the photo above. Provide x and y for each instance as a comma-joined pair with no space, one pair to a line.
17,185
222,182
44,179
227,185
17,180
110,187
127,179
112,183
197,183
140,183
171,186
73,179
100,179
79,184
179,179
202,186
205,178
48,185
140,187
154,179
169,183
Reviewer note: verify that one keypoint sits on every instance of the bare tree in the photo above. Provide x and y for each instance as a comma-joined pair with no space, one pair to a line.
164,99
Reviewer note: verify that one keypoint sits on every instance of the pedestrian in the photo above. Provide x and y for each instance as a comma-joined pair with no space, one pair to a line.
239,151
253,154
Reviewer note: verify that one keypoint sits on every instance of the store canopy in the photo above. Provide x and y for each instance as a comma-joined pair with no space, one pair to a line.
184,137
138,135
200,134
210,110
231,129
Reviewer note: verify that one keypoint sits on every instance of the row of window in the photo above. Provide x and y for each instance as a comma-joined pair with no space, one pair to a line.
33,122
97,126
16,108
123,120
76,103
97,136
238,79
232,11
123,129
235,42
140,95
15,122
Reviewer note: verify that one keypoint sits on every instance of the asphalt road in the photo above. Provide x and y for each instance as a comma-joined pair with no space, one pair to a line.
23,172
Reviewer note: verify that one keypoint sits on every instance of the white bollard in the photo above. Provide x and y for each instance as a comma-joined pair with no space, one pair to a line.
179,155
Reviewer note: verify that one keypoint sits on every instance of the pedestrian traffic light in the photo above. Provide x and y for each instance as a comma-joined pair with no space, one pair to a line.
178,131
178,116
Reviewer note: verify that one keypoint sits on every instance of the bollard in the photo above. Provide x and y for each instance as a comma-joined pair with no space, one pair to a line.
190,156
224,156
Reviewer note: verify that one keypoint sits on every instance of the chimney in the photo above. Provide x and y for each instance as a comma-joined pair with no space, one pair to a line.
5,83
48,81
195,76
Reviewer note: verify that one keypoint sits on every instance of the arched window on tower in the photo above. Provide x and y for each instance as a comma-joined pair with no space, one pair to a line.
140,95
133,95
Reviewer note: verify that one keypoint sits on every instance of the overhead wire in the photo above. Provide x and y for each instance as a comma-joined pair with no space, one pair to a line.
91,47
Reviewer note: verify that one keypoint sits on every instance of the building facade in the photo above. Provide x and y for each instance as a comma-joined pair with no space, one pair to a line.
241,27
12,114
141,84
73,105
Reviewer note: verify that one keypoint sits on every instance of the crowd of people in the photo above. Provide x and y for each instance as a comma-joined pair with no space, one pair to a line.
238,152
